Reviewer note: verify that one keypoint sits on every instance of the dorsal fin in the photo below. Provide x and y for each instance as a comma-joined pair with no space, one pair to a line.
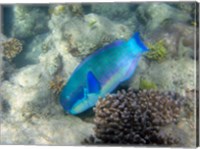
93,84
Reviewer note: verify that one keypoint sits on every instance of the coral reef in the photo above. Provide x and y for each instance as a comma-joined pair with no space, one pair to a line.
4,107
11,48
153,15
6,67
57,10
76,9
187,7
178,38
2,39
1,66
172,74
29,21
36,109
30,55
92,23
102,31
137,117
112,10
55,42
56,84
157,51
42,130
69,9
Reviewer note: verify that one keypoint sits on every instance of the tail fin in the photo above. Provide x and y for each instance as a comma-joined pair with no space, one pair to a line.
137,40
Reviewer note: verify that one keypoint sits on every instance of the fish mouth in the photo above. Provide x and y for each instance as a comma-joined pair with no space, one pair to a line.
85,103
80,106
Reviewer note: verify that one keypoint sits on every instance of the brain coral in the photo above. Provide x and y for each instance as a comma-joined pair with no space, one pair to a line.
136,117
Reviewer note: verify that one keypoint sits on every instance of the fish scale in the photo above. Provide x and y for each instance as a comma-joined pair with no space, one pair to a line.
100,73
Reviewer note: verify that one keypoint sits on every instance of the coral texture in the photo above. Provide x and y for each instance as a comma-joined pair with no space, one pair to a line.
2,38
57,37
153,15
157,51
172,74
112,10
56,84
12,47
145,84
136,117
29,21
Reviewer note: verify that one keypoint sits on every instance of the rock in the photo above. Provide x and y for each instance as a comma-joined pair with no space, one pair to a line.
101,31
188,7
177,37
28,21
4,108
112,10
65,36
31,52
27,76
57,130
52,62
153,14
2,39
169,75
29,108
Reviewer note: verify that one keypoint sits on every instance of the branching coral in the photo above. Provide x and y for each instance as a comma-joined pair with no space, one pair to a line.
136,117
12,47
157,51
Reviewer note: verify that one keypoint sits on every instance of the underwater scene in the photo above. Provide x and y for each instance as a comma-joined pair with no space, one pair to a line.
99,74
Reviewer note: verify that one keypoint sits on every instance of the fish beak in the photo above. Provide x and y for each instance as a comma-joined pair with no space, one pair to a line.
84,104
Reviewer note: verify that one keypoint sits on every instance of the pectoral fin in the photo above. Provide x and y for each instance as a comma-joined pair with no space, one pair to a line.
93,84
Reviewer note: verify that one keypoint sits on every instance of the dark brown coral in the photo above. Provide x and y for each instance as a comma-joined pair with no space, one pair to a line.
11,48
135,117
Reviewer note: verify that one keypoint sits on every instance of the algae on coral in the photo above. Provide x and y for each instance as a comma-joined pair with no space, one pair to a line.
144,84
157,51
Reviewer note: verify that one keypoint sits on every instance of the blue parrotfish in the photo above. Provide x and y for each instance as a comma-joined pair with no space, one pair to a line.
100,73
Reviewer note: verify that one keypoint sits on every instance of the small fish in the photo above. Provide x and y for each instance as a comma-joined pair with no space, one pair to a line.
100,73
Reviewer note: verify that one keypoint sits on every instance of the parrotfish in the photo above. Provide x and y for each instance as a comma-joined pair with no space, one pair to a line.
100,73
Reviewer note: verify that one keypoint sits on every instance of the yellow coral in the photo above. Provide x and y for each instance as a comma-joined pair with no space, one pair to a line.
57,10
12,47
157,51
92,23
144,84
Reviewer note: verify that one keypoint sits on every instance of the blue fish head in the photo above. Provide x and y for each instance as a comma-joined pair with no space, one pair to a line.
84,103
83,97
68,99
